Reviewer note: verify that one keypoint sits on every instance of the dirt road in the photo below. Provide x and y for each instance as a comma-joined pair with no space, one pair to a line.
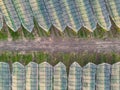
62,45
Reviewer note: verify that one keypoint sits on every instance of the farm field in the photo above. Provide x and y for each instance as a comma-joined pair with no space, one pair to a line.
59,44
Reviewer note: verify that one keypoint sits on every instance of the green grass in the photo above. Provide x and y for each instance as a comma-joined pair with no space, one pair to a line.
27,34
99,33
84,33
54,32
40,57
40,31
70,33
3,34
15,35
54,58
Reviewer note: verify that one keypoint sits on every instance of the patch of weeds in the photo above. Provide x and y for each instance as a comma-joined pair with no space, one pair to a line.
54,58
15,57
115,58
69,32
27,35
41,57
26,59
54,32
3,34
41,32
15,35
99,33
83,33
5,57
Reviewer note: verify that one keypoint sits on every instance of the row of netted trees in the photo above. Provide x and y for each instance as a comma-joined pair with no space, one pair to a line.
46,77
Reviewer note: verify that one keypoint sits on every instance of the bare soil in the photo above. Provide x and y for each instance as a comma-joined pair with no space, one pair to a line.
62,45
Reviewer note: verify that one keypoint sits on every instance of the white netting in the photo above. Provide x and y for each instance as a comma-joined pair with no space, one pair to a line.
103,77
75,77
88,78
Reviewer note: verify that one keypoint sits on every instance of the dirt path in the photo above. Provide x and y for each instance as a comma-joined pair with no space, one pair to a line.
61,45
